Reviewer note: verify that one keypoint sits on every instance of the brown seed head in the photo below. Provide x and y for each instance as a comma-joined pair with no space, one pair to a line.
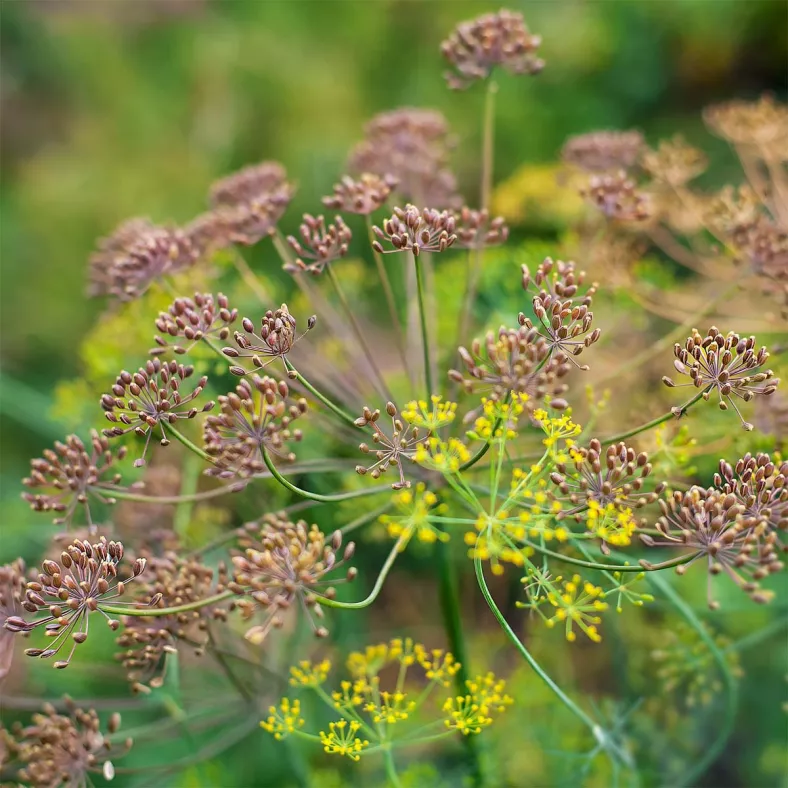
602,151
674,162
416,231
761,122
475,230
617,197
318,243
363,196
194,319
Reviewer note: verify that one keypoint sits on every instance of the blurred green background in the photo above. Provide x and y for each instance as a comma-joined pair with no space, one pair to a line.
132,107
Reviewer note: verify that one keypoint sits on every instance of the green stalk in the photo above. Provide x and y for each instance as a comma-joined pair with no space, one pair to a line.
335,409
152,612
423,324
391,771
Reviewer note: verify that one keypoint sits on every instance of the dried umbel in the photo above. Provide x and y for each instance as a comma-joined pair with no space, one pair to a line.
729,364
252,184
290,566
478,46
761,122
708,524
615,475
170,582
411,145
84,581
12,593
412,230
318,243
65,749
674,162
564,318
389,449
513,360
136,255
617,196
601,151
475,229
760,486
151,397
68,475
254,418
362,196
278,333
194,319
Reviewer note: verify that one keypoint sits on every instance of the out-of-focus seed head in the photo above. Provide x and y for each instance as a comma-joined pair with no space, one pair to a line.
412,230
362,196
275,339
761,122
319,243
151,397
136,255
479,45
729,364
12,594
170,581
563,317
602,151
760,486
771,418
250,184
66,749
254,418
68,475
389,449
674,162
193,319
290,564
615,475
617,197
475,229
710,525
411,145
68,591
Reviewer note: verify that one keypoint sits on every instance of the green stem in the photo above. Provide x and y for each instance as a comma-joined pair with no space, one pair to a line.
510,633
726,725
423,324
251,281
125,495
488,133
639,567
152,612
317,496
452,622
671,414
346,417
391,771
373,594
757,637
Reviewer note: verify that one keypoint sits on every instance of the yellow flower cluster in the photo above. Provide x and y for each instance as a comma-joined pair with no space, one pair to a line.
308,674
341,739
495,541
611,524
470,713
557,429
439,665
499,418
578,603
284,719
430,416
390,707
416,507
443,456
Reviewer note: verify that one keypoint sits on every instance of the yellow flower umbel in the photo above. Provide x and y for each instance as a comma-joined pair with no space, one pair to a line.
470,713
611,524
309,674
495,541
439,665
284,719
415,507
623,589
447,457
558,430
498,420
430,416
578,603
341,739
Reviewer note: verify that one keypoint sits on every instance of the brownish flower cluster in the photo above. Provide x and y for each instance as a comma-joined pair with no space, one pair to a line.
319,243
290,564
475,229
68,591
194,319
253,419
363,196
728,364
12,593
151,397
137,254
478,46
65,749
389,449
617,197
602,151
278,333
412,146
674,162
145,641
68,475
412,230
